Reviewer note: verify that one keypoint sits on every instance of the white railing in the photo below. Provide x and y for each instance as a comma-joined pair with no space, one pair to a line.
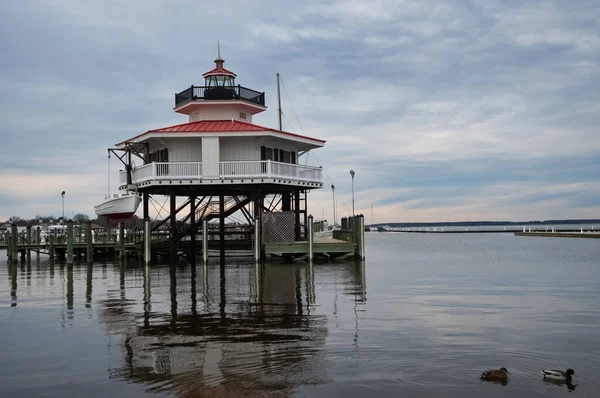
238,169
169,170
143,173
269,168
242,168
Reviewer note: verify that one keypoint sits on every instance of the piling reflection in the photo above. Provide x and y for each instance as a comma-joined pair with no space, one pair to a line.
13,285
88,286
244,330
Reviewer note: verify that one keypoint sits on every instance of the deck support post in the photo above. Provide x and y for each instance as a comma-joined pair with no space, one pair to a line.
38,236
257,245
310,238
147,237
121,244
14,236
222,228
297,213
69,242
173,215
89,255
145,201
194,229
205,241
28,251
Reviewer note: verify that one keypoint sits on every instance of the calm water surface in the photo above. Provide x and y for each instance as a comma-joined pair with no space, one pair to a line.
422,317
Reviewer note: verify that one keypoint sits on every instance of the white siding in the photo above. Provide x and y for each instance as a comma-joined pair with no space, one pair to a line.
210,156
225,112
240,148
180,149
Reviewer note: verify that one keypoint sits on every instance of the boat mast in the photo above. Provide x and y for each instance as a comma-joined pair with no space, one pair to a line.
108,173
279,113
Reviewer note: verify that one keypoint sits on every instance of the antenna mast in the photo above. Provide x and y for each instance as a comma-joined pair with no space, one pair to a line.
279,103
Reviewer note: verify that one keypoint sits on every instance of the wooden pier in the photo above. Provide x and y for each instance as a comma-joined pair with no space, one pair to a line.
83,245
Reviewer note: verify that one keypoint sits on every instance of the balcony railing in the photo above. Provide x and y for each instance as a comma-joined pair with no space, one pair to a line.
232,169
220,93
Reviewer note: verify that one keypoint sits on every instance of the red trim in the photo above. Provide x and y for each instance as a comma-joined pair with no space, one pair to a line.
218,126
218,72
119,216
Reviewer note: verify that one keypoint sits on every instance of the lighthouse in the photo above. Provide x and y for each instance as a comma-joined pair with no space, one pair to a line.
219,163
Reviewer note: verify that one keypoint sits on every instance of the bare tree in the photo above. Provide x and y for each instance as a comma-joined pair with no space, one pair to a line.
80,218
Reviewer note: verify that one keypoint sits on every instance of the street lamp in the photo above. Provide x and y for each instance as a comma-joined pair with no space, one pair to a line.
333,191
62,194
352,174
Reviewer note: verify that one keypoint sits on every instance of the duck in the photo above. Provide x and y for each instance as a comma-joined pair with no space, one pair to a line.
501,374
554,374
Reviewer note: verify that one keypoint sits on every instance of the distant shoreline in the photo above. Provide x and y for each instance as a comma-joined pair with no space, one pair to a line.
484,223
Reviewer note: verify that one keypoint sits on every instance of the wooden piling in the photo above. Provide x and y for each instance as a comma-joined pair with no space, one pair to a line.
69,242
28,251
360,235
9,246
51,247
147,237
205,241
310,238
15,241
121,243
89,255
257,248
194,228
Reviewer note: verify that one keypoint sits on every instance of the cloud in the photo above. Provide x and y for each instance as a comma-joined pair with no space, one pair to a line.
446,110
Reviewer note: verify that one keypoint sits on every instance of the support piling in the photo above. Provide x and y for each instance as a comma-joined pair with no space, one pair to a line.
14,235
205,241
28,242
310,238
121,243
147,237
69,242
257,245
51,247
89,255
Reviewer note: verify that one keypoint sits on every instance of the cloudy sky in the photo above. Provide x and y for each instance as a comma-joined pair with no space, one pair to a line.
446,110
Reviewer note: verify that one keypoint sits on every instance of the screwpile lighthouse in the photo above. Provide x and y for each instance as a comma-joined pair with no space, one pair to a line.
220,163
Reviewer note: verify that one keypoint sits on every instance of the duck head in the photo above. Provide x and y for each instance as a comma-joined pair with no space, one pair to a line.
570,372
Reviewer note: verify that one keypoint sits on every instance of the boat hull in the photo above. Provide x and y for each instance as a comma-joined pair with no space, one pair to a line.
118,208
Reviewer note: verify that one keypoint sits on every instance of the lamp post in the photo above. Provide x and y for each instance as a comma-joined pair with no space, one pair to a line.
62,194
352,174
333,191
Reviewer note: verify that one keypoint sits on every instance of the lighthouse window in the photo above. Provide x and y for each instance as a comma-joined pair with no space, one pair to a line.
242,115
278,155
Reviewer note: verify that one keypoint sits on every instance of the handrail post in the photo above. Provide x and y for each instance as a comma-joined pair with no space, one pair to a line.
269,171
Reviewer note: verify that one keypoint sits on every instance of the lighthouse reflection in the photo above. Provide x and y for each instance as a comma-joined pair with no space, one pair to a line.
226,330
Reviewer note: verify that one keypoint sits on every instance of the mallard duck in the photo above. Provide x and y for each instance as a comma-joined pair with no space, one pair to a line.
558,374
501,374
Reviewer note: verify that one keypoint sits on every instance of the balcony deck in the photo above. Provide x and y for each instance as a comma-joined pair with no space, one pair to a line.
219,93
229,172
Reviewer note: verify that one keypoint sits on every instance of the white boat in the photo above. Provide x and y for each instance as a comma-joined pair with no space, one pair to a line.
118,206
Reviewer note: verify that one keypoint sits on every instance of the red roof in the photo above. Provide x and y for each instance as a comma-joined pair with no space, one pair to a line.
220,126
219,71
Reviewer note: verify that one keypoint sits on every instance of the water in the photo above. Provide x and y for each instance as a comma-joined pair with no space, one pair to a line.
422,317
